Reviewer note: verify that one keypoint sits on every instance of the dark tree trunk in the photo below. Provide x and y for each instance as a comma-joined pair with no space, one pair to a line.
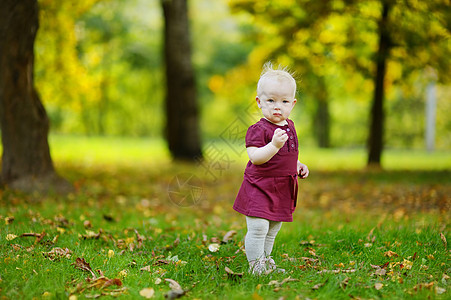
182,116
376,137
26,161
321,122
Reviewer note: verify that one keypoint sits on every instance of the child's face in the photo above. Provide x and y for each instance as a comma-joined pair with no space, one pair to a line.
276,100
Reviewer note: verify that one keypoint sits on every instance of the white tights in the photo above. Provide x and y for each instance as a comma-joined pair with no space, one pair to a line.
260,236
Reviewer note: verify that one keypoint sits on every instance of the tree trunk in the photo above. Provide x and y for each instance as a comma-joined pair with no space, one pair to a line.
376,137
26,161
321,122
182,116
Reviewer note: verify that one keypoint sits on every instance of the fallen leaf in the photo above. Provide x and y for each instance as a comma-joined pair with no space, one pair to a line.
228,236
213,247
110,253
9,220
146,268
103,282
87,224
147,293
378,285
10,237
318,286
232,275
91,234
80,263
140,239
176,290
278,284
390,254
344,283
445,243
440,290
57,253
174,285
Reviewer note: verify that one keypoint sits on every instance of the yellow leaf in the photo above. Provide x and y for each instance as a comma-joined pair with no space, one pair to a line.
390,254
378,285
11,237
147,293
110,253
123,273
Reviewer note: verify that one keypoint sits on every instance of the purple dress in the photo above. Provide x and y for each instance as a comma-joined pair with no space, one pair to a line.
270,190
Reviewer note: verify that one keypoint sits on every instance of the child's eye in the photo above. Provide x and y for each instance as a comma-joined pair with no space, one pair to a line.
270,100
286,101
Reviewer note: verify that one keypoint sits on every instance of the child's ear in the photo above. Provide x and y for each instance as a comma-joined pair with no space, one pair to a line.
294,101
258,102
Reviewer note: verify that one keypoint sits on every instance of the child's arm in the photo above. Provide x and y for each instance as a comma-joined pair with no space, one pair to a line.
261,155
302,170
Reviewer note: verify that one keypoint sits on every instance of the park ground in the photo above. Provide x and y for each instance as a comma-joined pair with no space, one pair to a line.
140,226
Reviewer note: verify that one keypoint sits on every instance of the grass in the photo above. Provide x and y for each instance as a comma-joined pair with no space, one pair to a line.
347,223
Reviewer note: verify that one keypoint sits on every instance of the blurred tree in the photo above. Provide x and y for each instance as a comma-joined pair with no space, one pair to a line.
367,37
26,161
182,123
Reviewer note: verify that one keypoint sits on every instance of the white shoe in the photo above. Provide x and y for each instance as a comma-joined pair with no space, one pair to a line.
257,267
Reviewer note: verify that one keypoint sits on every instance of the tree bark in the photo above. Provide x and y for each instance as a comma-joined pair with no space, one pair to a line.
376,137
182,116
26,161
321,124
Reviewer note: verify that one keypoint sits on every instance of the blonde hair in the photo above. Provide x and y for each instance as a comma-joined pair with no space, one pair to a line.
281,73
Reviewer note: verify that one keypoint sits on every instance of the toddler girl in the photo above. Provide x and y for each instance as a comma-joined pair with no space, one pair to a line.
267,196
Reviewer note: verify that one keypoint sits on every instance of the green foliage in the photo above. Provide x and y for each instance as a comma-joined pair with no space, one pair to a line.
99,71
336,42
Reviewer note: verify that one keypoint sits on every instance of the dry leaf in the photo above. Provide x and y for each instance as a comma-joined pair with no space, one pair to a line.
57,253
146,268
110,253
140,239
228,236
445,243
378,285
381,272
232,275
278,284
10,237
440,290
147,293
176,290
174,285
80,263
390,254
318,286
103,282
344,283
9,220
213,247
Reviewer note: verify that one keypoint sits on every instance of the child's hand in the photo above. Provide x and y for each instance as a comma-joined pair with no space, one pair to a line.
302,170
279,138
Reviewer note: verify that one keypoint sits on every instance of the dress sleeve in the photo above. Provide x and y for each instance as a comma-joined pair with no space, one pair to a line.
255,136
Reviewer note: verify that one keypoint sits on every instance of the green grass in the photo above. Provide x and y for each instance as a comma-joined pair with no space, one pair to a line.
346,223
